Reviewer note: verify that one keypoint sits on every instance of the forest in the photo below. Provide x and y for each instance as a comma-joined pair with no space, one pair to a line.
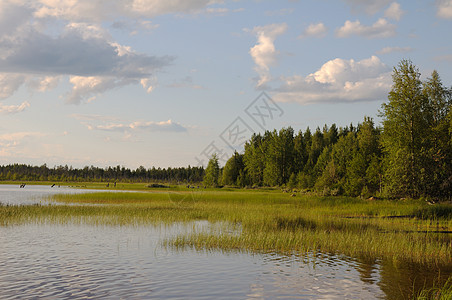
21,172
409,155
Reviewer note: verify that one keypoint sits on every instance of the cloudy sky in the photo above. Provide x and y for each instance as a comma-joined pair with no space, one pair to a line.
168,82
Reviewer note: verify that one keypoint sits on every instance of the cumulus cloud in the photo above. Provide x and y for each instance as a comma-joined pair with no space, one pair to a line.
13,109
168,126
387,50
368,6
83,52
76,53
10,83
444,9
315,30
264,52
88,87
380,29
338,80
394,11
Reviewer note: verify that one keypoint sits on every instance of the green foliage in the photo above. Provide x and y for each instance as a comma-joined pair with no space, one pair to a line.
234,168
211,179
279,157
16,172
417,160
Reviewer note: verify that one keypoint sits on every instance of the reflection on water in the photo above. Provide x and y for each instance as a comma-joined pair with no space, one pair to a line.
47,261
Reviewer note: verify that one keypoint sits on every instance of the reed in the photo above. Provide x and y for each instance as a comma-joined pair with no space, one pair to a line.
251,220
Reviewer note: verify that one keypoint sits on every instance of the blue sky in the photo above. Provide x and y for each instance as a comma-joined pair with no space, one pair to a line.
167,83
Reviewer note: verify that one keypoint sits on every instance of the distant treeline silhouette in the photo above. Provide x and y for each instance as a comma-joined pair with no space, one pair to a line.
22,172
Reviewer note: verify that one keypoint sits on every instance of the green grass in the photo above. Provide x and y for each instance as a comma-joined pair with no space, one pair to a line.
442,292
400,232
268,221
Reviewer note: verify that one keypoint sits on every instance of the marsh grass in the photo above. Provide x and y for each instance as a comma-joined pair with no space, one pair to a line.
437,292
254,220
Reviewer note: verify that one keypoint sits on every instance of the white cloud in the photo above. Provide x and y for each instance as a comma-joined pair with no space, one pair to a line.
10,142
338,80
169,126
147,84
387,50
444,9
394,11
13,109
45,83
315,30
10,83
216,11
368,6
88,87
264,52
380,29
151,8
99,10
85,52
77,53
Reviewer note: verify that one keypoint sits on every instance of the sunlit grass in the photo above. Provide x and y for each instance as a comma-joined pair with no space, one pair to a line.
265,221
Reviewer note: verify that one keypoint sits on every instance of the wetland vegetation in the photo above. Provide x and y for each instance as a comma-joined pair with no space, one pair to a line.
396,232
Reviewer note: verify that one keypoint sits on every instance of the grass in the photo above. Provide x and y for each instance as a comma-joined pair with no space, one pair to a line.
443,292
268,221
401,232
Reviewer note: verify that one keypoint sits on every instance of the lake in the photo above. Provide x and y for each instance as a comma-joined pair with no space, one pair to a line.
129,262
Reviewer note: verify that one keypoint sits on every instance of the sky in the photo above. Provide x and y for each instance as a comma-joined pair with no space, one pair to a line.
167,83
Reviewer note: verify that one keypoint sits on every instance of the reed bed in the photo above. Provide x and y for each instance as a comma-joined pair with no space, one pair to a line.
408,230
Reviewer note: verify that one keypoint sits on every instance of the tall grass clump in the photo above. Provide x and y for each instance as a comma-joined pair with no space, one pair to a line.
443,292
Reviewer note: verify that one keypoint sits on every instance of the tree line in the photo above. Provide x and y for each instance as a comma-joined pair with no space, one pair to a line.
22,172
409,155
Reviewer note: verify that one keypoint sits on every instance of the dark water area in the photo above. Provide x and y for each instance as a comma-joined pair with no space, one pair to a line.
129,262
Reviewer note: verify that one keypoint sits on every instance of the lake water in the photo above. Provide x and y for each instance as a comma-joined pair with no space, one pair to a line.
33,194
128,262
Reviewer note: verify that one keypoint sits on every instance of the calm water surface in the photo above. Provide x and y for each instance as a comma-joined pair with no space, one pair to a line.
12,194
113,262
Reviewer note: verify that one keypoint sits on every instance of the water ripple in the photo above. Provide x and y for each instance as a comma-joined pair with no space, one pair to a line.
80,261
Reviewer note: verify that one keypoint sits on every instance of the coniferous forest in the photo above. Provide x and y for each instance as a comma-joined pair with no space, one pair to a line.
409,155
